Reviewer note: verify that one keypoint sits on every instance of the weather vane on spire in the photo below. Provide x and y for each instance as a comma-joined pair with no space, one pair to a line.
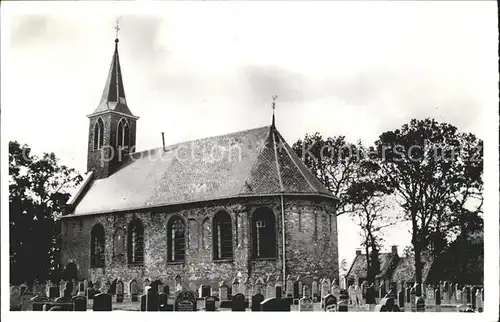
117,27
274,106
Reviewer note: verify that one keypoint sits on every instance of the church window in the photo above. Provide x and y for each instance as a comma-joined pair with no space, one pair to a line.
135,242
222,236
264,233
98,134
119,243
97,246
176,240
122,135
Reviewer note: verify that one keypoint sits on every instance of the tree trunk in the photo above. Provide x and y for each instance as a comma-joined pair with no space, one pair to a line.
418,268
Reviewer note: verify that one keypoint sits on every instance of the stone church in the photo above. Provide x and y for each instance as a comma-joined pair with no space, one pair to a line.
240,204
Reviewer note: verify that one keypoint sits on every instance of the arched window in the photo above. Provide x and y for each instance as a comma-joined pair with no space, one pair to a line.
264,233
97,246
98,134
222,236
122,135
176,239
135,244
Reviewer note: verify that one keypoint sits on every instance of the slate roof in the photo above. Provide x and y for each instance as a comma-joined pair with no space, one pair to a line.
405,270
255,162
359,266
391,266
113,96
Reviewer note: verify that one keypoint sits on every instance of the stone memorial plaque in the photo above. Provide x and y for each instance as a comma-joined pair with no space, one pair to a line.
185,301
238,303
79,303
210,303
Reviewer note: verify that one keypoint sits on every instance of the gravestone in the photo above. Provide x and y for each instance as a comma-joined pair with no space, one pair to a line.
413,299
296,290
90,293
235,286
209,303
79,303
306,292
54,292
257,299
336,290
259,286
81,288
119,291
386,305
166,289
306,304
289,287
238,303
325,286
223,291
39,301
162,301
23,288
144,301
342,305
270,305
246,287
204,291
37,288
151,299
401,298
185,301
177,281
278,291
437,298
102,302
330,303
314,291
370,295
134,290
64,302
15,298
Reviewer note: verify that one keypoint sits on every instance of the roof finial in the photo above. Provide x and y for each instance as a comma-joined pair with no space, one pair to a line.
117,29
274,107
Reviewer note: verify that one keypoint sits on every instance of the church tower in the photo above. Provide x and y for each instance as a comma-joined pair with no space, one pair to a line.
112,128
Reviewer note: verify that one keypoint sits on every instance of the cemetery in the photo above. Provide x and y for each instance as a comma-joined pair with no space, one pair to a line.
250,295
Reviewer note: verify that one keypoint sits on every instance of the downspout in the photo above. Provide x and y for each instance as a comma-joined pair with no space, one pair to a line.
282,202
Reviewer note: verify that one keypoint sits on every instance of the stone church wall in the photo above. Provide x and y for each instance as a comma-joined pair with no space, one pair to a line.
310,233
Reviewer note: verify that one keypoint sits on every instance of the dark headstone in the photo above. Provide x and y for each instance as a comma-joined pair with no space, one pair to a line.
257,299
284,305
420,304
330,303
342,306
205,291
238,303
102,302
152,299
401,298
468,294
90,293
279,292
438,296
370,295
143,303
119,291
296,287
396,309
270,305
407,294
209,303
79,303
473,298
54,292
162,301
39,302
185,301
166,289
386,304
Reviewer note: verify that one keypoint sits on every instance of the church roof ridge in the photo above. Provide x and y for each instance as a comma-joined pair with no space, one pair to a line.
194,175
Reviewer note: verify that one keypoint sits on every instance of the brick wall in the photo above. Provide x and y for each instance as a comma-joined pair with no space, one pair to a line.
310,233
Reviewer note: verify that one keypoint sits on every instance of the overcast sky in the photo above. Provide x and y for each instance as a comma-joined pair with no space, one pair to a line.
196,69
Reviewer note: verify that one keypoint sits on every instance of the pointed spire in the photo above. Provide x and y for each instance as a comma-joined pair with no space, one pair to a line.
113,95
274,107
